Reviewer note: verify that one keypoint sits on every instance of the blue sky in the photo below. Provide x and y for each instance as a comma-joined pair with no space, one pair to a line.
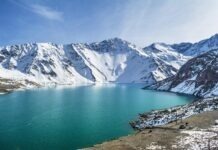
139,21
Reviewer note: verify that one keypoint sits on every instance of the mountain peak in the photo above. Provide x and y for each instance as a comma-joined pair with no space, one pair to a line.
113,44
214,36
158,47
115,40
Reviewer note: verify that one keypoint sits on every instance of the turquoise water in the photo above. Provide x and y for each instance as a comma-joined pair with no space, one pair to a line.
71,118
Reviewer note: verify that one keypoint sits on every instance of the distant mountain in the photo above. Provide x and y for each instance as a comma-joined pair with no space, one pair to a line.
189,49
199,76
197,48
113,60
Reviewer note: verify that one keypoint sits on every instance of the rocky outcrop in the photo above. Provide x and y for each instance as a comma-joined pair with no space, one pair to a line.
174,114
7,85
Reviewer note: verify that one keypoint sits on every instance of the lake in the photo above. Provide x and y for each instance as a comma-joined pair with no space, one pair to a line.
75,117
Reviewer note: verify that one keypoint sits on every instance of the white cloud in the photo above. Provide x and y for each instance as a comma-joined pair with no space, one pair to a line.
47,12
42,10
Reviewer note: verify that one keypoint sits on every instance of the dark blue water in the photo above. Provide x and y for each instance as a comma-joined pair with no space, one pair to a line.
71,118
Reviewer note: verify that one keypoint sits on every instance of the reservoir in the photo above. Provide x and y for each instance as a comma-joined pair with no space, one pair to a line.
75,117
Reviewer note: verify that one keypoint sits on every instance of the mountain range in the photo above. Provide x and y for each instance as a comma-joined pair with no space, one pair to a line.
112,61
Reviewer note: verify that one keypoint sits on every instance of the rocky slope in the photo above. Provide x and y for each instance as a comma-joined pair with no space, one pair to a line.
112,60
199,76
7,85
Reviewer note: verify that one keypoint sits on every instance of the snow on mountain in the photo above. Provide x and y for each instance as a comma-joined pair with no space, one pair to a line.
46,62
112,60
167,54
199,76
119,61
197,48
186,48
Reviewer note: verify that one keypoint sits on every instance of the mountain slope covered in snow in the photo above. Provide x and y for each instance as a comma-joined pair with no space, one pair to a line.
112,60
188,49
199,76
167,54
195,49
44,63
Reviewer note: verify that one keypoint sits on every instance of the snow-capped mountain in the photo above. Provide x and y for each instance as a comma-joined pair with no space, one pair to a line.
199,76
44,63
113,60
167,54
197,48
186,48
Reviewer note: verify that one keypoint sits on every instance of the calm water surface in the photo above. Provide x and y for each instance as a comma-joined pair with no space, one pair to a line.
71,118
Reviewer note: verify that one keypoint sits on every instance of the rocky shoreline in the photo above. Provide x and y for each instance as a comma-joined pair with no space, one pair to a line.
174,114
8,85
191,126
200,132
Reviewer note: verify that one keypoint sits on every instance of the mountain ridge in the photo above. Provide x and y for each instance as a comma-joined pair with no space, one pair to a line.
113,60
